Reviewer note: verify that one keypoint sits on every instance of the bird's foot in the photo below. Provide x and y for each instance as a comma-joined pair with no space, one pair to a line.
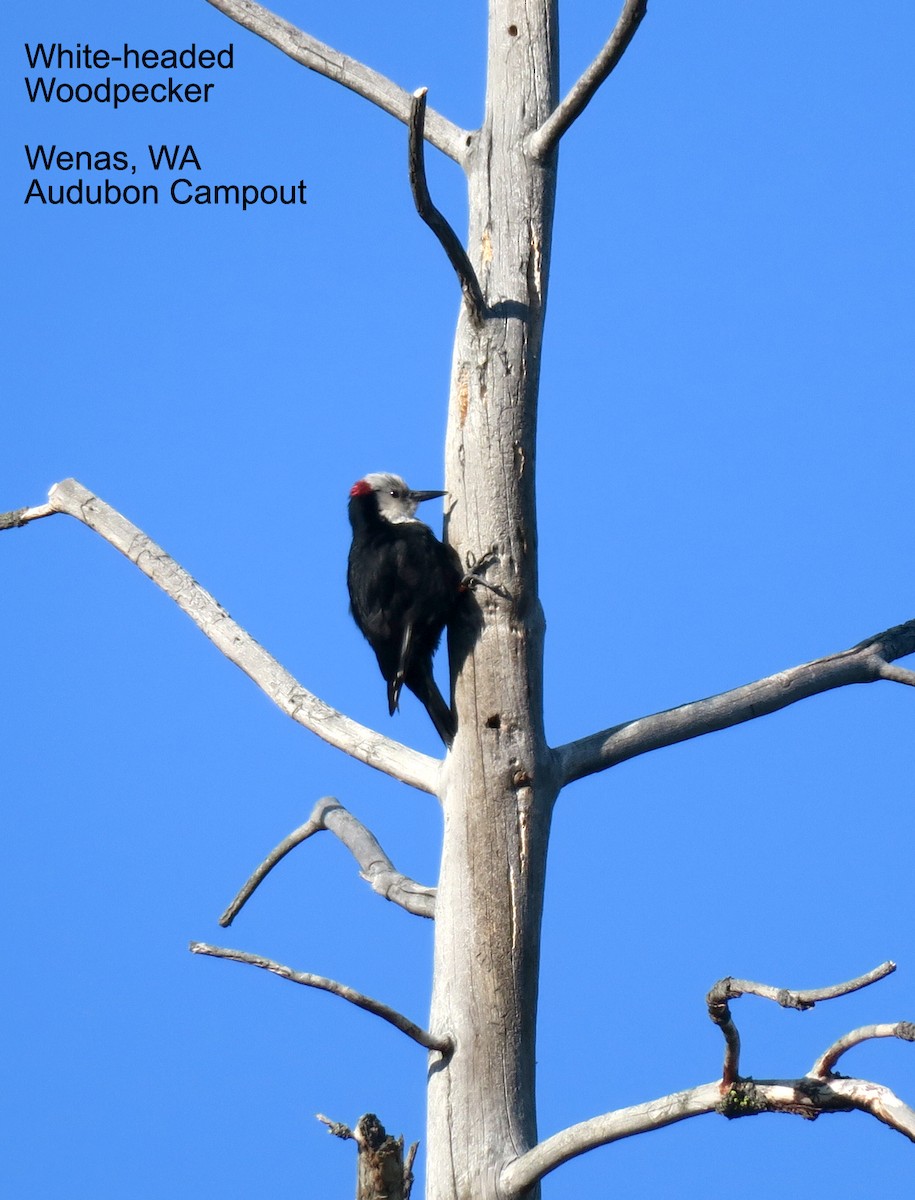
475,569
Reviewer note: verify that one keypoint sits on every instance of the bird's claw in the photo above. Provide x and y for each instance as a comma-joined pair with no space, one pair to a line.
474,575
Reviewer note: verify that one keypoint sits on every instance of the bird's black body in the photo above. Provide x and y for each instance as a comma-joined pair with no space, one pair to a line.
403,586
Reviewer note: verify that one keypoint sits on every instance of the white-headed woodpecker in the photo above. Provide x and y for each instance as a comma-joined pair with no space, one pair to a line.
403,586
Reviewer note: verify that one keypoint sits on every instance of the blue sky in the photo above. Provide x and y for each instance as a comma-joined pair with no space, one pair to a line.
725,489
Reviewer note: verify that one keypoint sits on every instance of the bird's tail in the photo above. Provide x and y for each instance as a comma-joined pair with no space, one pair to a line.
395,684
421,683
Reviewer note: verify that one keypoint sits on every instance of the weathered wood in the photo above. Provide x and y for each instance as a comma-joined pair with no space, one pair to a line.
383,1171
499,785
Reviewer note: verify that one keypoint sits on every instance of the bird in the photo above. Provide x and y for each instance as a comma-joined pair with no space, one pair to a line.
403,587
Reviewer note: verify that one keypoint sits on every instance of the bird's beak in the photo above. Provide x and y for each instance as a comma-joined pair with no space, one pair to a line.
418,496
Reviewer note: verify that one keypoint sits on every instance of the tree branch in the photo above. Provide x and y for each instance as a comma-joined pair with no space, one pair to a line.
336,1129
816,1093
409,766
375,866
449,240
868,661
875,1099
809,1097
824,1065
578,98
22,516
301,46
730,989
398,1020
523,1172
806,1097
897,674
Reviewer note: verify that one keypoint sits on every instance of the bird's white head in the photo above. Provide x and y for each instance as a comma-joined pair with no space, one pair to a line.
396,501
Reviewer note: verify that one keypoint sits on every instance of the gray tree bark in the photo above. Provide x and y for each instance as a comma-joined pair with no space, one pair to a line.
499,784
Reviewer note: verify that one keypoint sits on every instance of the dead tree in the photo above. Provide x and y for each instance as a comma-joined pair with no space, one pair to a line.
498,785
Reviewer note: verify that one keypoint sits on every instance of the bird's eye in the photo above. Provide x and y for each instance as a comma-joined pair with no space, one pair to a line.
395,493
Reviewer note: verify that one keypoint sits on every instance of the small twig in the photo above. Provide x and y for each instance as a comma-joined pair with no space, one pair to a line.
730,989
391,1015
824,1065
325,60
581,94
375,866
313,825
801,999
22,516
450,242
408,1170
897,674
337,1128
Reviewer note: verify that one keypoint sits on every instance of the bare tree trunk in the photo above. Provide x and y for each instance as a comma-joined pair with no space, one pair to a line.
500,787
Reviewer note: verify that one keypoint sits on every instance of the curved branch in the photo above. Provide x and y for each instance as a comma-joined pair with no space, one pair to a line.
307,50
391,1015
877,1100
578,98
806,1097
376,868
719,1011
409,766
864,663
730,989
904,1030
449,240
524,1171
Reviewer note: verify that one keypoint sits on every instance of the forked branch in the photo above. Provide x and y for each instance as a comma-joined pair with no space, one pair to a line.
866,662
307,50
818,1092
375,866
391,1015
810,1097
449,240
235,643
728,989
581,94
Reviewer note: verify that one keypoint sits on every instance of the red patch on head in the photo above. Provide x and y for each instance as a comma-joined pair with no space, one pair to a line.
360,488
